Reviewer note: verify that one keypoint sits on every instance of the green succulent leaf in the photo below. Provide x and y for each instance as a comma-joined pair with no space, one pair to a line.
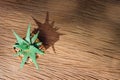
33,57
34,37
28,34
18,54
35,50
19,39
38,44
22,46
23,60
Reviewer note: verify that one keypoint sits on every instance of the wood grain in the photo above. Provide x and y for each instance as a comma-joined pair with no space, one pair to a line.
89,50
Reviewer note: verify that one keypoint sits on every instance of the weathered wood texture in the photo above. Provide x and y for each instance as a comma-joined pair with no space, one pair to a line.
89,50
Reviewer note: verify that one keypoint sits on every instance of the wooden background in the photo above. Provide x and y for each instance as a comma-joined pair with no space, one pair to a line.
89,50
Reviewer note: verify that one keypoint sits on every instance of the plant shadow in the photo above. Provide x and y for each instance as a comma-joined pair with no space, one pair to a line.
48,33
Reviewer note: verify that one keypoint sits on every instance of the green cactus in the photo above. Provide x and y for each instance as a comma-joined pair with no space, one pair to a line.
28,47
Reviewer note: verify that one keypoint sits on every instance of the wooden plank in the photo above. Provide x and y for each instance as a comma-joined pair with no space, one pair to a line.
89,50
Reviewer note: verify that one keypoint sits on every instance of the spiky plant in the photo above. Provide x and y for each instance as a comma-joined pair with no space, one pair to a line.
28,47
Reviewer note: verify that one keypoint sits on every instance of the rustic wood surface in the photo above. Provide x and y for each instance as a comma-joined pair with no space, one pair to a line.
89,50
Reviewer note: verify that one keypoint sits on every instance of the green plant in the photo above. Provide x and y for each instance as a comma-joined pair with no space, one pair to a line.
28,47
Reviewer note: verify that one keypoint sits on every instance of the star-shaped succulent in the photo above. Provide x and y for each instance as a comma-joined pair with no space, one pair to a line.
28,47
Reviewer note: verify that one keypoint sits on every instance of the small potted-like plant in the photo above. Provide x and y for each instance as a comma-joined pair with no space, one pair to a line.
28,48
